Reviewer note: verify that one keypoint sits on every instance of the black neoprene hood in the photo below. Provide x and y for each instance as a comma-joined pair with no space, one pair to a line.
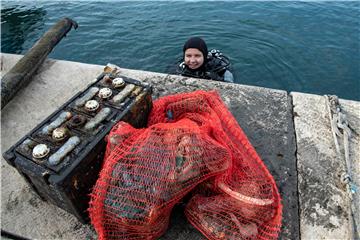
198,43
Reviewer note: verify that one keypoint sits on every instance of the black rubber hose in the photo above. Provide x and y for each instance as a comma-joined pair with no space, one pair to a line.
12,235
21,74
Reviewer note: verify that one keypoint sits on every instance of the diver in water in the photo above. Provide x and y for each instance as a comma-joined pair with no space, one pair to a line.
199,63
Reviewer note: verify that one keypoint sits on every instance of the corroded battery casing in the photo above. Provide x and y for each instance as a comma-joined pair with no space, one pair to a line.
65,175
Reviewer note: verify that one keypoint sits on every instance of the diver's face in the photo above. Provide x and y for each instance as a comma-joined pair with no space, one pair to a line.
193,58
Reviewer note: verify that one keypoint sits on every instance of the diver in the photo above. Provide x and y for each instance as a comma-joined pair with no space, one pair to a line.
199,63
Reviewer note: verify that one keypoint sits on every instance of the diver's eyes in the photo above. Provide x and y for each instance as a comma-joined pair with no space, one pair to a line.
195,55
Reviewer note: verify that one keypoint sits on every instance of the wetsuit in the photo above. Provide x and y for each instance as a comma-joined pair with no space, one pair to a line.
216,68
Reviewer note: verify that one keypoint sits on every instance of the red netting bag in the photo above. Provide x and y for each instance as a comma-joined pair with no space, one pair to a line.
190,138
243,203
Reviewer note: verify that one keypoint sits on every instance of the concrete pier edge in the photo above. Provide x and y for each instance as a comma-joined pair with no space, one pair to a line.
289,131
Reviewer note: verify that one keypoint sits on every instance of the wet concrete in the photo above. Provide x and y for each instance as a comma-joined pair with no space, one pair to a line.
264,114
325,206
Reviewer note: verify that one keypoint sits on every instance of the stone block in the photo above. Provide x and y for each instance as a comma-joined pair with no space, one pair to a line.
325,207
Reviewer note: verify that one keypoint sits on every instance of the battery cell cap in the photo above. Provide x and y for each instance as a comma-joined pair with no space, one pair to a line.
59,133
40,151
91,105
105,93
118,82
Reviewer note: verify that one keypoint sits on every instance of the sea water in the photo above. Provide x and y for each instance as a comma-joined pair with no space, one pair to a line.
311,47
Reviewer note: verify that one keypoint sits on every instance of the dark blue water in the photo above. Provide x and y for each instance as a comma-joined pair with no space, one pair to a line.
296,46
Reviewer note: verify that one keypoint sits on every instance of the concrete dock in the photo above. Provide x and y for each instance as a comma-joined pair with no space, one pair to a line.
291,133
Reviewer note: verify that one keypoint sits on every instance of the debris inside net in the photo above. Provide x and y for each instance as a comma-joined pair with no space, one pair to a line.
191,143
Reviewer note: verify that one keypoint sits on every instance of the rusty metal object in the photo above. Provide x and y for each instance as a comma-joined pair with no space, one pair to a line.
105,93
118,82
76,121
64,150
71,167
99,117
107,79
124,93
142,103
89,95
91,105
40,151
136,91
63,117
59,134
21,74
27,145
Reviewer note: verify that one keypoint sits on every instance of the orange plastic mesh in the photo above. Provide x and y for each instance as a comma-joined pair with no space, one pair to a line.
191,140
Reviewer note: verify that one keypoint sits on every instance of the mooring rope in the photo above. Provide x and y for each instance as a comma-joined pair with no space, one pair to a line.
340,128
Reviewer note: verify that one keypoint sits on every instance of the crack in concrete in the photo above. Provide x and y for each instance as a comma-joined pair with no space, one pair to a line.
293,115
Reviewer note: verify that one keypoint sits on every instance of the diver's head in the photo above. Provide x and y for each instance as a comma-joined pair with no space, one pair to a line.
195,53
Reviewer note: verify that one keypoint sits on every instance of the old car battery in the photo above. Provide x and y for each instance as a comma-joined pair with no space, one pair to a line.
62,156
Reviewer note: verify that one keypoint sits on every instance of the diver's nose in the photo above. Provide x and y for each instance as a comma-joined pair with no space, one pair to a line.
192,60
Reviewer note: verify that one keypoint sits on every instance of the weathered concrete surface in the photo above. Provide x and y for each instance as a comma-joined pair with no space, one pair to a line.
324,203
264,115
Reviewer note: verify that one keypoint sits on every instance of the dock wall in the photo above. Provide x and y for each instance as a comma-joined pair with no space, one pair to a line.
290,132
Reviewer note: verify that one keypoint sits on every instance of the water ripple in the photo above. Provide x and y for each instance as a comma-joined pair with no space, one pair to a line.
295,46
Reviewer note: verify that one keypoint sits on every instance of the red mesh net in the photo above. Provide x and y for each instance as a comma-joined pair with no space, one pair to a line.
191,140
